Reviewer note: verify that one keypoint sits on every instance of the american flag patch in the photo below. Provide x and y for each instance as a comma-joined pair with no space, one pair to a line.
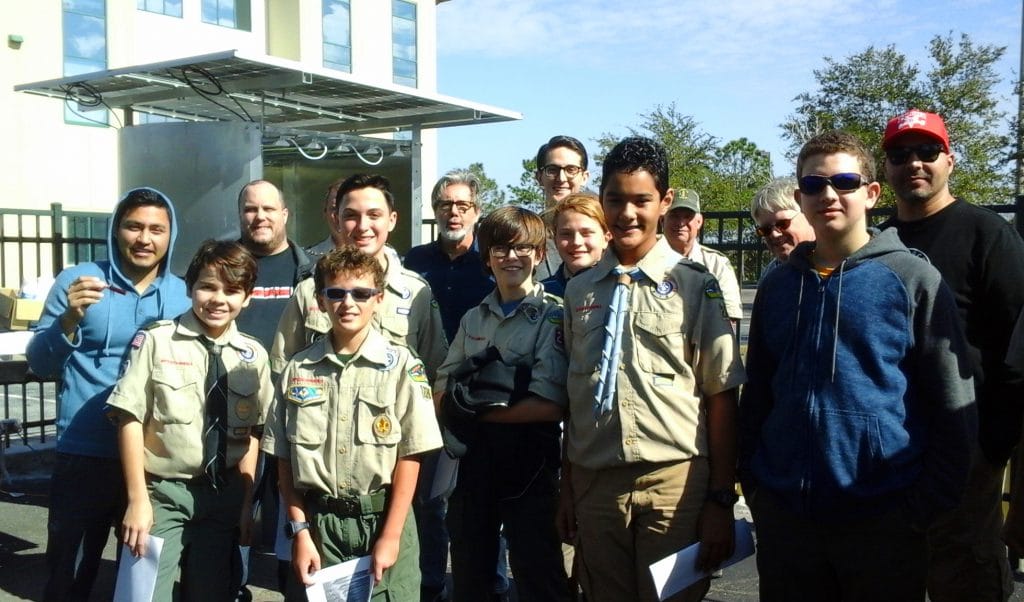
140,338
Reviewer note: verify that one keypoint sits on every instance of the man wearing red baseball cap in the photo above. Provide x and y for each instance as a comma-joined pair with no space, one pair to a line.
980,257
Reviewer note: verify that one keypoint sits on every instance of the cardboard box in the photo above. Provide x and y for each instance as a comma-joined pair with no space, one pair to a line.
18,314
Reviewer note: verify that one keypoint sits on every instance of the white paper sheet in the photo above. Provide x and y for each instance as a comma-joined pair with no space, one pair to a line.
350,581
136,577
678,571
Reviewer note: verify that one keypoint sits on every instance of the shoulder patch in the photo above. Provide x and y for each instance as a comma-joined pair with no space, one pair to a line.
390,359
531,312
247,354
138,339
417,373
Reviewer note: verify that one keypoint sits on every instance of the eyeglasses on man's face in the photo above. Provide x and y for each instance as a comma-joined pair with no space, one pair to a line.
461,206
928,152
360,294
521,250
551,170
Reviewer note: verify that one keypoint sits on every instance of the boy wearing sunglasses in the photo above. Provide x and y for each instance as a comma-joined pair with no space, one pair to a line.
350,419
858,414
190,400
979,256
508,473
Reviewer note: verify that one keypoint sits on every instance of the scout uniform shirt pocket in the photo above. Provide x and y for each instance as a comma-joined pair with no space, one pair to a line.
376,421
659,342
306,422
176,399
396,327
244,411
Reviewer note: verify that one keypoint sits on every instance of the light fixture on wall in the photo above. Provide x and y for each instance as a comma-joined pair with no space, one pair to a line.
398,154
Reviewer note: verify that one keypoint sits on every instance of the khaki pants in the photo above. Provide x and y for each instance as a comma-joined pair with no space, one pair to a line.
630,517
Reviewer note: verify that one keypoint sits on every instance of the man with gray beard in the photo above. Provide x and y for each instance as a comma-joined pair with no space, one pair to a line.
452,266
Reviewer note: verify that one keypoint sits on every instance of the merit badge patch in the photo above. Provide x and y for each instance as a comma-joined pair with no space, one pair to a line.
138,340
531,312
303,393
243,409
390,359
247,355
418,374
382,426
665,289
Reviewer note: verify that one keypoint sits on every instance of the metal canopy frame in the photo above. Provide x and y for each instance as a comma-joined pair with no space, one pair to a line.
285,97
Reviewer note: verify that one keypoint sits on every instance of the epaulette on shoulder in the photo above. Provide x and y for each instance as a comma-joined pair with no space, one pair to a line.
157,324
249,337
712,251
553,298
699,267
414,276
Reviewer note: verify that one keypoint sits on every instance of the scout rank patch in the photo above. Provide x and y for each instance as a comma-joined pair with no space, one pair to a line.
247,355
382,426
665,289
417,373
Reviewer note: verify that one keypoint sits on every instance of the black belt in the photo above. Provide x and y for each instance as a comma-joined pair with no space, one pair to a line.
348,506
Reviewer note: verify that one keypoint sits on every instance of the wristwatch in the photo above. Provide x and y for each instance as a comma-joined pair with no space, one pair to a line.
292,528
725,498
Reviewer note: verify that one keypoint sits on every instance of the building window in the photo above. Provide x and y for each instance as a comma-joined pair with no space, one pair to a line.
403,42
235,14
171,8
85,51
337,35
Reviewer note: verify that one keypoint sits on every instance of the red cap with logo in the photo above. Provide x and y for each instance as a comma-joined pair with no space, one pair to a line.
915,121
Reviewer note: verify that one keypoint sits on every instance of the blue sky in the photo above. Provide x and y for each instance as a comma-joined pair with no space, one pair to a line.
588,67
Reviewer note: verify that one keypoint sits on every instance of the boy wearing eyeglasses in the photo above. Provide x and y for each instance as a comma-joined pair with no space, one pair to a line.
351,416
508,352
192,395
858,414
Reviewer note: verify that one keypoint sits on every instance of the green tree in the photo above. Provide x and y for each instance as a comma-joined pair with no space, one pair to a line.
861,93
490,196
528,193
725,176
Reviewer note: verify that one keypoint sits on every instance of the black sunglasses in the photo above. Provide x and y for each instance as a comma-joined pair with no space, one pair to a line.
359,294
840,182
928,152
780,225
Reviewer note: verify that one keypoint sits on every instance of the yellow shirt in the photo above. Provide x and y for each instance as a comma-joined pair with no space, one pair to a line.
677,346
531,335
408,315
163,387
345,426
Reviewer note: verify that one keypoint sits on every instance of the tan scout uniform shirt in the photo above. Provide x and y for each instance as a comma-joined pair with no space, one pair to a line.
345,426
718,264
163,386
677,346
408,316
530,335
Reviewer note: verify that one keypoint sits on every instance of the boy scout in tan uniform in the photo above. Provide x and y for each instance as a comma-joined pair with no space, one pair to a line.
341,425
656,450
408,315
162,387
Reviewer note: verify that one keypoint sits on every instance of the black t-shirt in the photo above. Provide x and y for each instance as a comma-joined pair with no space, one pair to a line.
981,258
274,286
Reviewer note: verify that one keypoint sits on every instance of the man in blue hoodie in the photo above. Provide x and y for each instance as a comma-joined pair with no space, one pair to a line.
858,416
91,314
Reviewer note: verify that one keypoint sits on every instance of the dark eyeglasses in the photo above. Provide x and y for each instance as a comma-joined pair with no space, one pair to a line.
780,225
551,170
521,250
360,294
928,152
840,182
461,206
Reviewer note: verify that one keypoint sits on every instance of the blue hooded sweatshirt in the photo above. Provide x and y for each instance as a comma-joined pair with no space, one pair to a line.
859,396
90,365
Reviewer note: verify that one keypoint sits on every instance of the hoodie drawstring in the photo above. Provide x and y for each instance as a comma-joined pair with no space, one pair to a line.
835,331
